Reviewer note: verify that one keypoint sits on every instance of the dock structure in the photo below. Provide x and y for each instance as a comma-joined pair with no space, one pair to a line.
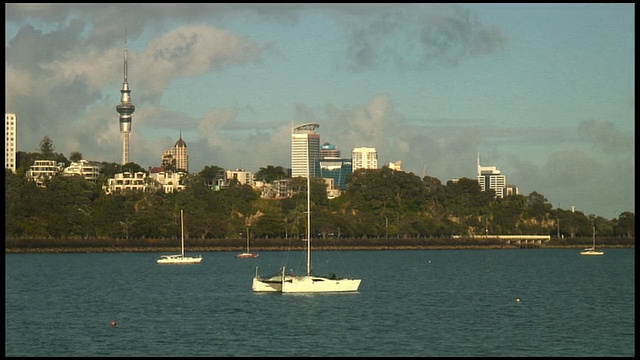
521,240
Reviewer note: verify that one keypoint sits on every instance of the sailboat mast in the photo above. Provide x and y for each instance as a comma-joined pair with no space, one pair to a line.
308,223
248,239
594,238
182,230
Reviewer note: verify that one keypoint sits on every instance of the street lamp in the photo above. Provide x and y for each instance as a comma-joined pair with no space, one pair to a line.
386,227
486,229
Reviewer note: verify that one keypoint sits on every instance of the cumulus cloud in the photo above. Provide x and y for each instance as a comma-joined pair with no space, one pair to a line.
443,35
604,136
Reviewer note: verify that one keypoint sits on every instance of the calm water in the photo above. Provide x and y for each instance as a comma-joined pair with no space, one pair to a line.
412,303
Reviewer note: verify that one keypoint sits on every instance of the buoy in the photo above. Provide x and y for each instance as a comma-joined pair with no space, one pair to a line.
112,323
517,299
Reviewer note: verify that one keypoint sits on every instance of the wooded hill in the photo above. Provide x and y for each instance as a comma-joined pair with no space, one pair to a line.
377,204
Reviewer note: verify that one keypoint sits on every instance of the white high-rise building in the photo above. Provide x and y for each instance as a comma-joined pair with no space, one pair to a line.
305,150
364,158
489,177
10,141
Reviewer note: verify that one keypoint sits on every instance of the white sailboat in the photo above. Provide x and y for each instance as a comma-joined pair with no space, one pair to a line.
179,259
592,251
246,254
308,283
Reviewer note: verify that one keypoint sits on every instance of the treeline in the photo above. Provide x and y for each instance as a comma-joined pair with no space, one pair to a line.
376,204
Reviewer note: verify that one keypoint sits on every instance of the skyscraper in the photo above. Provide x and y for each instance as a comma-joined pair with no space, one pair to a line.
331,166
489,177
305,150
329,151
10,141
177,156
125,109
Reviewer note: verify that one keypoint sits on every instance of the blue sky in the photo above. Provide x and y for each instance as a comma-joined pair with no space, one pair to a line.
544,92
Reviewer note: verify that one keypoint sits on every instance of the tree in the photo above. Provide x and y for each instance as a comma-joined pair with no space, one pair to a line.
626,224
75,156
47,148
211,174
271,173
132,167
169,163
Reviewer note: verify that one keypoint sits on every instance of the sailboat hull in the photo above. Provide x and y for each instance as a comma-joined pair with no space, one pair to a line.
592,253
266,285
271,283
319,284
178,260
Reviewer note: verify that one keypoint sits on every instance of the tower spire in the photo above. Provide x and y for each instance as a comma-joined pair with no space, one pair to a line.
125,109
125,57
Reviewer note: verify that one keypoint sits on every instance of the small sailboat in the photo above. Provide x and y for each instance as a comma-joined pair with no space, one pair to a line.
179,259
247,254
307,283
592,251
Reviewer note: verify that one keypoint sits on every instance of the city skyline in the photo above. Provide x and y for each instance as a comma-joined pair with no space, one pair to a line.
544,92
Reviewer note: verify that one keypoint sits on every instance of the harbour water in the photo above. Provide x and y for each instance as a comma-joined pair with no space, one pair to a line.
517,302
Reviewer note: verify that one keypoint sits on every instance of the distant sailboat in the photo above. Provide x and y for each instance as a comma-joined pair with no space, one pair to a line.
179,259
246,254
308,283
592,250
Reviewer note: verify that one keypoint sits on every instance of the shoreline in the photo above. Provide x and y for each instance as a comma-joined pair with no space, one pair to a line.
195,249
24,246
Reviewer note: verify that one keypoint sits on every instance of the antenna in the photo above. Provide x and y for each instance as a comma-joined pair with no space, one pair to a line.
125,55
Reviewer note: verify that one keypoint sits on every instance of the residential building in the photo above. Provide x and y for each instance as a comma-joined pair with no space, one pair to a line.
126,181
489,177
43,170
243,177
88,170
364,158
10,141
169,180
511,190
397,165
278,189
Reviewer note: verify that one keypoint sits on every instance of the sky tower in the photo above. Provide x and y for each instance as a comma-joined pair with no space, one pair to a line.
125,109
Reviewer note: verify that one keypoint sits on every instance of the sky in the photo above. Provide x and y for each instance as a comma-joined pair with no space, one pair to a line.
543,92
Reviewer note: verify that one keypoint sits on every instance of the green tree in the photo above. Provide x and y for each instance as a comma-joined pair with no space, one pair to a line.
271,173
169,163
75,156
133,168
47,148
211,175
626,224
